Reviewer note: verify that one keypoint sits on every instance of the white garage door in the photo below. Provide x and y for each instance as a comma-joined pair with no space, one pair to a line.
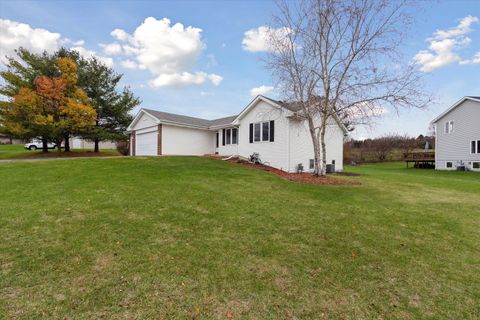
146,144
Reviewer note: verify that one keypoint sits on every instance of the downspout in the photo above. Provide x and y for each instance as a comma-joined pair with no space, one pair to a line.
288,143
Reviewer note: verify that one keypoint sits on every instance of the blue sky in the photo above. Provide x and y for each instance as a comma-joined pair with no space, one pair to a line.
202,69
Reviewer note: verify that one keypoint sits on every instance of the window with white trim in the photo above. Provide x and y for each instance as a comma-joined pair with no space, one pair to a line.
475,147
476,165
231,136
449,164
234,136
261,131
256,129
449,127
312,163
266,131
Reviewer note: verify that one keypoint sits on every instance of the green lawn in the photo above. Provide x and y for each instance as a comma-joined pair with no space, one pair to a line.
198,238
16,151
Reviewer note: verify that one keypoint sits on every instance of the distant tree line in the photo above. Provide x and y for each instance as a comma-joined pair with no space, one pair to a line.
391,147
54,96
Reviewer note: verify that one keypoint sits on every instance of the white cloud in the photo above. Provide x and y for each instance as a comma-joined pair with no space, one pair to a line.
184,78
120,34
476,58
71,42
89,54
14,34
443,46
462,28
111,49
366,110
257,40
206,93
128,64
260,90
170,52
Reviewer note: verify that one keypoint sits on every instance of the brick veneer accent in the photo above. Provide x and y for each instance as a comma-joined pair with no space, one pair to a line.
132,145
159,140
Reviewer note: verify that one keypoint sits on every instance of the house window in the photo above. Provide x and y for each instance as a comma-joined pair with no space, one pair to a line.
473,147
265,131
312,163
449,165
449,127
476,165
217,139
231,136
257,131
234,136
262,131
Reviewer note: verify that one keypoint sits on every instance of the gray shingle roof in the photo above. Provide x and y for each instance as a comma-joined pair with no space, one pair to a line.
197,122
474,97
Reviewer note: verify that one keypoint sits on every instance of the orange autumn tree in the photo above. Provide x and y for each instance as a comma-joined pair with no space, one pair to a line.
54,109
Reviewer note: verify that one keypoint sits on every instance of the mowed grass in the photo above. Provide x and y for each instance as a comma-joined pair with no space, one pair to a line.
198,238
17,151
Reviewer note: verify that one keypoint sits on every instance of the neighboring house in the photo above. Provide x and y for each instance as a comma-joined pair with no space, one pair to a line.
457,136
268,127
4,139
79,143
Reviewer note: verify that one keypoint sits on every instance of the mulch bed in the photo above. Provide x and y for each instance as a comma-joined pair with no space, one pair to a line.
307,178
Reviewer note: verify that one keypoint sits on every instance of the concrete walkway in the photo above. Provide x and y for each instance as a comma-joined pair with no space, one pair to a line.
54,159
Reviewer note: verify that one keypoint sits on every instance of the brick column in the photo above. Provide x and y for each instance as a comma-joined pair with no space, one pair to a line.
159,140
132,144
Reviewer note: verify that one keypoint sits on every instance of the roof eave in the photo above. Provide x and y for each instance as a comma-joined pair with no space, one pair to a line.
456,104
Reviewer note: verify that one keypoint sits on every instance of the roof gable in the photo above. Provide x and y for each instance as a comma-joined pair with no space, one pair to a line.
138,116
455,105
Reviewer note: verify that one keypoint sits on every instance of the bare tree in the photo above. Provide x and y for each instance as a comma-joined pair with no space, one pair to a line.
407,144
339,60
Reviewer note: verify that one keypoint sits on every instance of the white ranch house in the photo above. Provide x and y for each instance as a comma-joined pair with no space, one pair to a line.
266,126
457,136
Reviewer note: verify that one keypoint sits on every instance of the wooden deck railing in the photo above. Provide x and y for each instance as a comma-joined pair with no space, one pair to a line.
420,156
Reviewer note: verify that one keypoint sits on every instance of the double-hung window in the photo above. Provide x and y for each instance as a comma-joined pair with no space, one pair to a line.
257,129
262,131
231,136
449,127
475,147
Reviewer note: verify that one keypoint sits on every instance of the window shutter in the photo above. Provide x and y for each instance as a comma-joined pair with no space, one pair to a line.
272,131
251,132
223,137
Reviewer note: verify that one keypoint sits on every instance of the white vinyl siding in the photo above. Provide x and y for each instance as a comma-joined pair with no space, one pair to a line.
301,144
275,152
456,146
178,140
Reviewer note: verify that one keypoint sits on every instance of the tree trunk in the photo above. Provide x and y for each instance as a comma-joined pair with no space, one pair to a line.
316,148
58,144
67,143
44,145
323,171
96,143
11,140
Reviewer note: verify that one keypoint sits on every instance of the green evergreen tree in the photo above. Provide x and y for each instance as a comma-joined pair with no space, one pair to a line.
100,82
